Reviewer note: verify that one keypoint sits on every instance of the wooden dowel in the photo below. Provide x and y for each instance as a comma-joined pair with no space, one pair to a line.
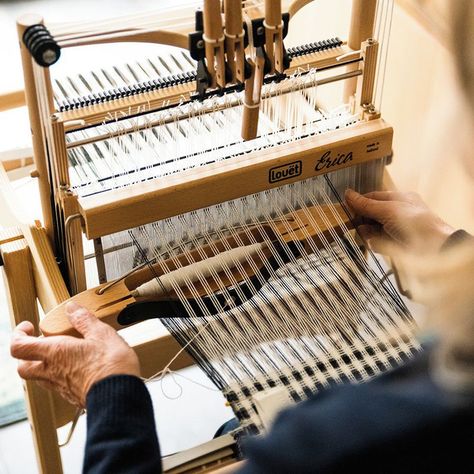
214,42
361,29
253,90
12,100
273,34
233,16
273,12
250,122
234,42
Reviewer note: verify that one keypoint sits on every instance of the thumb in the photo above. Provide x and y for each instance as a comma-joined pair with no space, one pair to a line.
85,322
366,207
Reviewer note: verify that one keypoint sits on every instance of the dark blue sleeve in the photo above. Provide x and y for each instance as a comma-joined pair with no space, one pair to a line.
401,423
121,433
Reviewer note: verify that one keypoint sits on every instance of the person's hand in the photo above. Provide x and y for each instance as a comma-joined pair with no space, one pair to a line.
71,365
393,219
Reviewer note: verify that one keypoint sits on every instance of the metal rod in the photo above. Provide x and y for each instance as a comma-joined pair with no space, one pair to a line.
209,109
69,251
100,261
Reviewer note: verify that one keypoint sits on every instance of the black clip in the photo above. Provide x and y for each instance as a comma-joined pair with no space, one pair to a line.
198,53
258,30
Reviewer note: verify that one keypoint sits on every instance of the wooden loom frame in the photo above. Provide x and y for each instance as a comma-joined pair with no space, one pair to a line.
31,271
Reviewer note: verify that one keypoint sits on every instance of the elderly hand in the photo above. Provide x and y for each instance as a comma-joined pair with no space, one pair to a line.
71,365
391,220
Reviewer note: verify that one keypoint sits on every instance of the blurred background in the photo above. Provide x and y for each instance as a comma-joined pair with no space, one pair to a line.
419,89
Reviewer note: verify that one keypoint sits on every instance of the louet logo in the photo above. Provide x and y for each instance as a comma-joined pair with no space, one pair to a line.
280,173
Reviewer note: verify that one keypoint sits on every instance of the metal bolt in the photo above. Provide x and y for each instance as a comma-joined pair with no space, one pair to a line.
200,44
260,30
49,56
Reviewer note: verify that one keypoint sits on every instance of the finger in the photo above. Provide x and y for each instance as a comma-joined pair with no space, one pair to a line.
360,221
366,207
85,322
388,196
27,347
368,232
26,327
32,370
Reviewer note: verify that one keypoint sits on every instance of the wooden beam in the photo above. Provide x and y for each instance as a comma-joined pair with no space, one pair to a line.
21,294
254,172
12,100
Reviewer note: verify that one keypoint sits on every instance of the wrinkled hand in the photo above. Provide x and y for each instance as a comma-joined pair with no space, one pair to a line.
391,220
71,365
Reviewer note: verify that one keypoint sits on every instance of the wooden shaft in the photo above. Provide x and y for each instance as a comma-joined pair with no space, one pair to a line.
361,29
250,122
39,148
12,100
253,90
274,34
212,19
273,12
234,43
214,42
362,22
233,17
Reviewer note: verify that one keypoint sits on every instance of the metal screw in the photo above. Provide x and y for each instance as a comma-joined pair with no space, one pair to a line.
200,44
49,56
260,31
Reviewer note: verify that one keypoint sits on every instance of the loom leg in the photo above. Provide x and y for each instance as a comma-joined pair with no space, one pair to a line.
21,293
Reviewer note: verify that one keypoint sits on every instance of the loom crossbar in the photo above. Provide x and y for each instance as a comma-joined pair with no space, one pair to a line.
158,199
